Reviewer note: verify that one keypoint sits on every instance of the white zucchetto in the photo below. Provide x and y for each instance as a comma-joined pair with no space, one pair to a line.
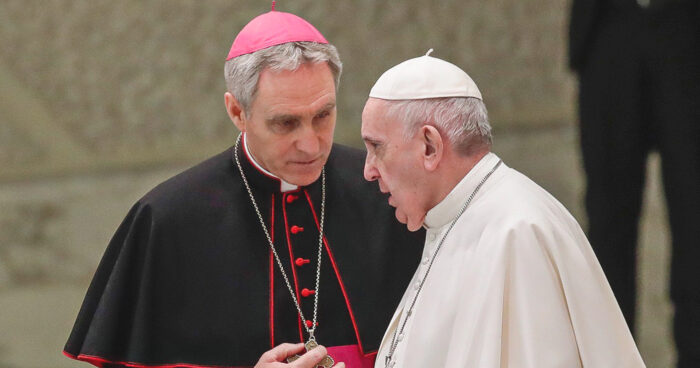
424,77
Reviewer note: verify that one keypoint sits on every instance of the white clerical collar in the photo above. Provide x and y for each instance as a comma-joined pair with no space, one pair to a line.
284,186
449,207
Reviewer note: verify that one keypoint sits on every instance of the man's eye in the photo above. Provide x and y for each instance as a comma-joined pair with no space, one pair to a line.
287,124
323,115
373,146
284,126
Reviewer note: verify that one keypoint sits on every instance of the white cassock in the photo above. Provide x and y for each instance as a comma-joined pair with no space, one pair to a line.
515,284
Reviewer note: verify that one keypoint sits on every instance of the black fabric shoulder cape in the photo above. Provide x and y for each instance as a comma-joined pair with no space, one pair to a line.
188,280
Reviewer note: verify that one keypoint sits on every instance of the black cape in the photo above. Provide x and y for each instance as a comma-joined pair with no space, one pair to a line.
189,278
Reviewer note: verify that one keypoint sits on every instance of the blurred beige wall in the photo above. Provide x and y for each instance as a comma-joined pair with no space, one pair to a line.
101,100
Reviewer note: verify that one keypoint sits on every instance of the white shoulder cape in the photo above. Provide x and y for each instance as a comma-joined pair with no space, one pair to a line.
515,284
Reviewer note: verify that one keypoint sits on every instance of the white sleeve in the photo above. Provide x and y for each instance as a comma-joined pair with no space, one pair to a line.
541,301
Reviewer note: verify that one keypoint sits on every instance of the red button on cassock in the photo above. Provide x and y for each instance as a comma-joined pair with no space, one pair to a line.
291,198
309,323
296,229
306,292
301,261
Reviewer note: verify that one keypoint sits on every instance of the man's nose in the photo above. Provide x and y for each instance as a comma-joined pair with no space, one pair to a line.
370,171
308,141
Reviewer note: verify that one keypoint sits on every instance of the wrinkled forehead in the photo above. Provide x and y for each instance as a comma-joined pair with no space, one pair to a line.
372,112
377,122
310,86
375,109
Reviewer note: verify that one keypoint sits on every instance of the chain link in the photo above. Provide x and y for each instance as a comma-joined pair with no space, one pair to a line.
311,330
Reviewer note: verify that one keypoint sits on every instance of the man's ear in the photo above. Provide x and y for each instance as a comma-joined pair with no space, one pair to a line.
434,147
235,111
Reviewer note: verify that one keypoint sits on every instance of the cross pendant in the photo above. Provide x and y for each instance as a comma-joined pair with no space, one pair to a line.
326,362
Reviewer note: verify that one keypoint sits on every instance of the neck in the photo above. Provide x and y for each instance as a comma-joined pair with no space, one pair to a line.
284,186
451,171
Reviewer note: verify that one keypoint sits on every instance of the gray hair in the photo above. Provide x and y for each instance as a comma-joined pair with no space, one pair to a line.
463,120
242,72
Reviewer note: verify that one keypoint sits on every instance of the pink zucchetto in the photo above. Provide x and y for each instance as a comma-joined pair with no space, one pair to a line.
273,28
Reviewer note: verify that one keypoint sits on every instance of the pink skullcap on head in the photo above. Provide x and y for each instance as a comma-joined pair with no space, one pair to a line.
270,29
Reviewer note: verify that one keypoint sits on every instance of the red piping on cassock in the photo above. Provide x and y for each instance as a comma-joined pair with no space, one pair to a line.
272,275
337,274
100,362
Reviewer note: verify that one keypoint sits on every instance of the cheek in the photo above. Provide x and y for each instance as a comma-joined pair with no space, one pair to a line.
406,184
382,170
403,171
278,150
326,134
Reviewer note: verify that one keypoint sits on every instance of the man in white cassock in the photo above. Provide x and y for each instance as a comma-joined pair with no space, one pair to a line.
507,279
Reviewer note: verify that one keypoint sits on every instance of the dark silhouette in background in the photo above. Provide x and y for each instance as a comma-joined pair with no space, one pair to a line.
638,64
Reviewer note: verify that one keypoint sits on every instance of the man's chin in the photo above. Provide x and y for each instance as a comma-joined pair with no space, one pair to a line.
302,179
301,175
413,227
410,225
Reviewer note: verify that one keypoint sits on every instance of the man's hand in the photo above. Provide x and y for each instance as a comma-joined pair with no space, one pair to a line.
277,357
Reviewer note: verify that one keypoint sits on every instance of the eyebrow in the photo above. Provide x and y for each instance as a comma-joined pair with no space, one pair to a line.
285,117
326,107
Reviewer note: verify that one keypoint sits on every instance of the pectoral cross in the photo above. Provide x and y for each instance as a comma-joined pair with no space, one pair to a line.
326,362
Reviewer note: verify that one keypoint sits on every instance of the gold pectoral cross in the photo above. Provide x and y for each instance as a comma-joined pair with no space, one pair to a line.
326,362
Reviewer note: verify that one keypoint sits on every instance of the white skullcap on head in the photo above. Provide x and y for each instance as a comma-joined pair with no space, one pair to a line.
424,77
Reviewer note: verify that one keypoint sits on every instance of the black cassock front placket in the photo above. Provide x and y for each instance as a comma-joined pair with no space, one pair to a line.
296,230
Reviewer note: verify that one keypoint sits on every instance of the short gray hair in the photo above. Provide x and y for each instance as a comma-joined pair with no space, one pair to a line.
242,72
463,120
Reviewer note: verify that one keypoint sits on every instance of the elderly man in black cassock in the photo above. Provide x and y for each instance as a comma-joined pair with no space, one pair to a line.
277,239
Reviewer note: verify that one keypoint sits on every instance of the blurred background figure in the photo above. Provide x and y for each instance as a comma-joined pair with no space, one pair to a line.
638,63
